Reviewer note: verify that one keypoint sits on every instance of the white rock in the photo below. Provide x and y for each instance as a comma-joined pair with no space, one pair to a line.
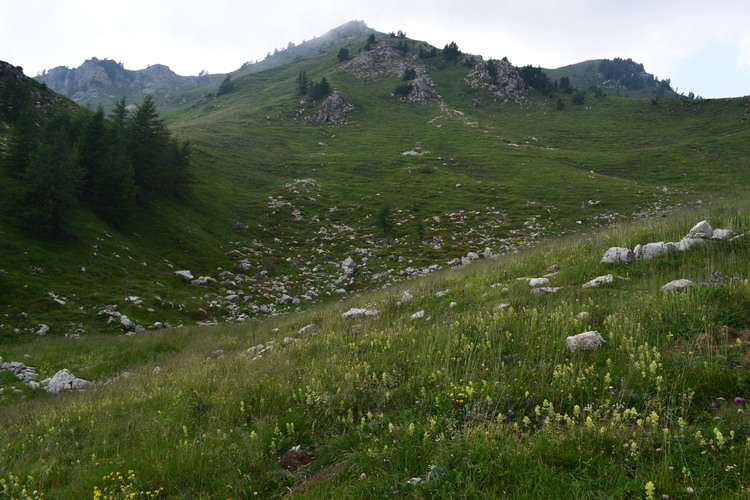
535,282
487,254
686,243
42,330
702,230
406,296
356,312
722,234
308,329
545,289
502,306
418,314
452,304
64,381
586,341
348,266
677,284
582,316
127,323
618,254
203,280
185,275
599,280
653,250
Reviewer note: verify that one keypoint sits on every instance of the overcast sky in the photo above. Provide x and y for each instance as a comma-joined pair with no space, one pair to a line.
703,46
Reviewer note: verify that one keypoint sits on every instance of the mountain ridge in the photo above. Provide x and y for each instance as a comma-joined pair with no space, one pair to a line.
103,81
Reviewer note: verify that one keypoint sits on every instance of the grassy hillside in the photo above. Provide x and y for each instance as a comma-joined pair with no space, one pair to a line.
398,186
477,398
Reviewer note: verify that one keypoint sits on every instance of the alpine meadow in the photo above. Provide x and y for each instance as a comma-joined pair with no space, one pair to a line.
368,267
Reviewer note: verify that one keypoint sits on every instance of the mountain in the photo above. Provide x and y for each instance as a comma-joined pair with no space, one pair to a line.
103,81
622,77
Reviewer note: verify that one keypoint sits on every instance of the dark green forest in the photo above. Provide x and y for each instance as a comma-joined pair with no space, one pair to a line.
113,162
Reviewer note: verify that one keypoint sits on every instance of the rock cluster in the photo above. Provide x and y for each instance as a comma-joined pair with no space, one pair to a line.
699,234
333,110
499,77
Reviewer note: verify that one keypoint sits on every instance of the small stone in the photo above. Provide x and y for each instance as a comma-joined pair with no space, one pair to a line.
418,314
677,284
586,341
600,280
535,282
185,275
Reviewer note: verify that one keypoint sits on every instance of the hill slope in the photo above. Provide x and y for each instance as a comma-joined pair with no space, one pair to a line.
403,186
463,380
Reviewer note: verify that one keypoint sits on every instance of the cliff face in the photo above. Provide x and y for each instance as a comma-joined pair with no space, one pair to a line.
103,79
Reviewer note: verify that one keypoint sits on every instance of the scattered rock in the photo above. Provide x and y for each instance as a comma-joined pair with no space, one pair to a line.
406,296
418,314
21,371
586,341
677,284
42,329
582,316
542,290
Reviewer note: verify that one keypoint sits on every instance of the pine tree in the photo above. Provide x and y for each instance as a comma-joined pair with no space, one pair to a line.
147,140
302,83
52,181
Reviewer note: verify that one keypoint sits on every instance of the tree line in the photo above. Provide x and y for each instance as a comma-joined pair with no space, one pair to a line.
111,162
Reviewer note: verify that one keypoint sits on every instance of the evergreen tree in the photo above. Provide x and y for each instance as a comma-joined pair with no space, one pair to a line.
451,52
119,113
370,41
20,146
52,181
225,86
302,83
108,175
320,90
147,141
343,54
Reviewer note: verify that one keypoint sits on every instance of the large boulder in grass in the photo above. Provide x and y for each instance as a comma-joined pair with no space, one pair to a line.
586,341
64,381
618,254
702,230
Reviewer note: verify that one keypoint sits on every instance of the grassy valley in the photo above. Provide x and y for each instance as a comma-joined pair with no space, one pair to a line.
293,221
